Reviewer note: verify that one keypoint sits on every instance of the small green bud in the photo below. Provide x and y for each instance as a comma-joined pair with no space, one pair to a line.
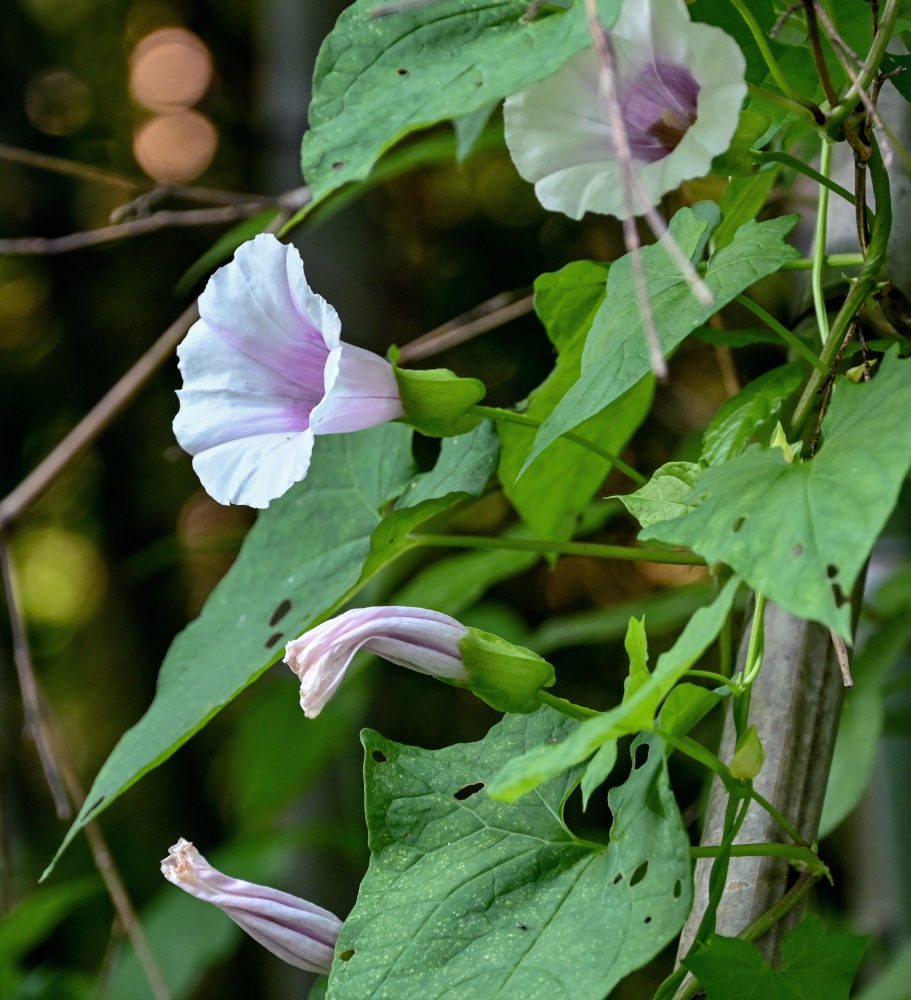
508,677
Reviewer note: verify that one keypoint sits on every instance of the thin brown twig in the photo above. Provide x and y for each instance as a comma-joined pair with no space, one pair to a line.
59,165
96,420
62,779
844,661
608,86
135,227
830,382
490,314
36,725
785,17
822,70
144,186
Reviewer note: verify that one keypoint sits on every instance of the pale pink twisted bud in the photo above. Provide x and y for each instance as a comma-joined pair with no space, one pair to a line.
299,932
422,640
264,370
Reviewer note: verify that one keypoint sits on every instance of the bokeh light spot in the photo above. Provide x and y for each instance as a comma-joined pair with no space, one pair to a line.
175,148
61,575
58,102
170,70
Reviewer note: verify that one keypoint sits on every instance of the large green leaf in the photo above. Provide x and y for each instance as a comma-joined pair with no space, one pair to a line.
543,762
379,78
302,558
558,485
616,354
470,898
800,533
814,966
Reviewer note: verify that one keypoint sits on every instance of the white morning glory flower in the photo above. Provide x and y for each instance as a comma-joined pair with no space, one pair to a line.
422,640
680,88
299,932
264,370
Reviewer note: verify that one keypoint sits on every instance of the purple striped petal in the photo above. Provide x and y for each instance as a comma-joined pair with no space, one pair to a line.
422,640
298,932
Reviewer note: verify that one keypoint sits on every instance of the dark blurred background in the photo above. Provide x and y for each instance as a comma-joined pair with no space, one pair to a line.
121,552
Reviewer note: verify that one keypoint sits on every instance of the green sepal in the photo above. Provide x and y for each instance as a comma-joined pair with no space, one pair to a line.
508,677
749,755
436,402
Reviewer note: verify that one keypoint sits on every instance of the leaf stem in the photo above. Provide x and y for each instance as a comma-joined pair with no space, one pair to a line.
772,156
790,852
819,246
734,786
567,708
763,45
860,289
556,547
832,260
496,413
793,341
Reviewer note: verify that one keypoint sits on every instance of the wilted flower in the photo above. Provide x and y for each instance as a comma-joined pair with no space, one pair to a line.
264,369
302,934
680,87
422,640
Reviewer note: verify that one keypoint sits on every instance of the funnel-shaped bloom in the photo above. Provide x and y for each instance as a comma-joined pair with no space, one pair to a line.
302,934
422,640
680,87
264,369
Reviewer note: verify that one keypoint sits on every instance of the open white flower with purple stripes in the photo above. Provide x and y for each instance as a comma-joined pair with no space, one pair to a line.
680,89
264,370
422,640
299,932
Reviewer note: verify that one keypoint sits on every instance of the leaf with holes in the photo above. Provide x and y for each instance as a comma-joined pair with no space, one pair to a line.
800,533
814,966
470,898
304,556
379,78
616,354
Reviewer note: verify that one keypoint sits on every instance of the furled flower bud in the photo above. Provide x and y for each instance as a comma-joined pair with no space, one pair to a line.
302,934
680,88
422,640
264,370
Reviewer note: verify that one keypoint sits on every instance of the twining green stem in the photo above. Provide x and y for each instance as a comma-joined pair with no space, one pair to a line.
568,708
710,675
554,547
815,117
495,413
870,68
863,285
735,786
771,156
757,638
762,44
790,852
819,247
794,342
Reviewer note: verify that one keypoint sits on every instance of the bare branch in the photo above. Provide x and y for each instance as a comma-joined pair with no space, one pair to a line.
136,227
490,314
36,725
608,86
